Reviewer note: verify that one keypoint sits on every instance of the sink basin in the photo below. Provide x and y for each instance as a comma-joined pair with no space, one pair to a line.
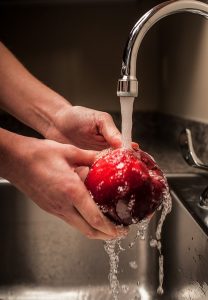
41,257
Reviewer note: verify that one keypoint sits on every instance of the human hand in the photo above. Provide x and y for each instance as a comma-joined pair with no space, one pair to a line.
46,172
85,128
48,112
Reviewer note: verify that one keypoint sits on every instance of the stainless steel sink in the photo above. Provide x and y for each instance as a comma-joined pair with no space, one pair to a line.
43,258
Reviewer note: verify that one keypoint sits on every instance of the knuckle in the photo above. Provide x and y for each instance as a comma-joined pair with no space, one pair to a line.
105,116
66,190
97,221
57,206
76,191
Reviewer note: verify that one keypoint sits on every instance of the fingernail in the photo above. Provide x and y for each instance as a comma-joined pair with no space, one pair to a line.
135,146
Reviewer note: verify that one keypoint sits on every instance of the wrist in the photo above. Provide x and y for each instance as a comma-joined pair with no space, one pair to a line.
61,121
10,153
45,111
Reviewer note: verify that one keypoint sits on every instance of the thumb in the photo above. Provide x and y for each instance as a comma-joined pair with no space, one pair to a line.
109,131
80,157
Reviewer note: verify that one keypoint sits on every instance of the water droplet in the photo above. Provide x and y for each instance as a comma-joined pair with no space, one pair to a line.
125,288
133,265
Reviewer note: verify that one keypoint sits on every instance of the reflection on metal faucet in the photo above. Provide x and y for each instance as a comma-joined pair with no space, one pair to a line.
128,85
189,155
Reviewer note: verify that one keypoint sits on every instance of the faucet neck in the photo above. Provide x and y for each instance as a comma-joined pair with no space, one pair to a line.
127,85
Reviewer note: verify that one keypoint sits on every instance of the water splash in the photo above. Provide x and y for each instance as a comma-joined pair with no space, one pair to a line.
142,227
113,248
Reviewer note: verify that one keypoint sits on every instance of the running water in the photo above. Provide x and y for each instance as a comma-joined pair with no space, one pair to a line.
113,247
126,126
166,209
142,227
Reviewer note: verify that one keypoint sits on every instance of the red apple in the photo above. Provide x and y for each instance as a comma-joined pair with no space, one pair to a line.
126,184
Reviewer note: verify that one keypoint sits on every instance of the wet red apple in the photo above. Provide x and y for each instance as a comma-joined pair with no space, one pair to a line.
126,184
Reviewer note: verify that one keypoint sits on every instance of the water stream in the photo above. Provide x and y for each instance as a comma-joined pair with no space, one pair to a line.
113,247
126,125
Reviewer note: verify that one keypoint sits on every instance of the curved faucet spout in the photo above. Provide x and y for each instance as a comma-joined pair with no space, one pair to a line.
128,85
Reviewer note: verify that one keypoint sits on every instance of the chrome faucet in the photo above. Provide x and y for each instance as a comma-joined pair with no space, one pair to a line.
128,84
189,155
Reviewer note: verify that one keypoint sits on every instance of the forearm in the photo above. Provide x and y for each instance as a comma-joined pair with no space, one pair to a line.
25,97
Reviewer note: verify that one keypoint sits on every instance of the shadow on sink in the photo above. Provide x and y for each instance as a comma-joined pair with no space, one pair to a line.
43,258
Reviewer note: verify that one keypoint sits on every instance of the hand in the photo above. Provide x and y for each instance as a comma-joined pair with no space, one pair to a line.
46,172
85,128
48,112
